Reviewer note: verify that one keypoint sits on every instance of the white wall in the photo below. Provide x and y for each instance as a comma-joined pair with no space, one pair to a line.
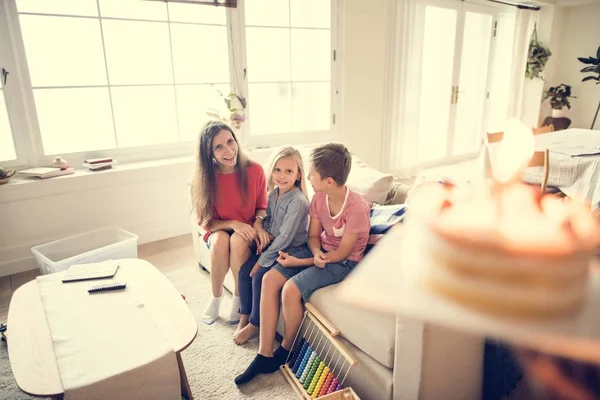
579,36
364,73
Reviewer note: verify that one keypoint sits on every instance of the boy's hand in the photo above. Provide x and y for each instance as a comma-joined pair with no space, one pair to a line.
286,260
254,270
321,259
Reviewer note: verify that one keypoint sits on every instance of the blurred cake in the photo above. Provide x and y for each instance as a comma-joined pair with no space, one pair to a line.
513,253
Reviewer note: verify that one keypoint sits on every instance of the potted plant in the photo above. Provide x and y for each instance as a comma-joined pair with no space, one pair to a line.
594,68
236,106
537,57
559,99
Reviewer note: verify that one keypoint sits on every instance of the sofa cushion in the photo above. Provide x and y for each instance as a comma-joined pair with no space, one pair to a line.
372,184
373,333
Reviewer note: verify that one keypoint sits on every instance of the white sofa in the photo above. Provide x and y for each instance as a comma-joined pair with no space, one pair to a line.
397,358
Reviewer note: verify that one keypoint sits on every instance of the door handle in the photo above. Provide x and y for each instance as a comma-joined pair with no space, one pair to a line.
453,95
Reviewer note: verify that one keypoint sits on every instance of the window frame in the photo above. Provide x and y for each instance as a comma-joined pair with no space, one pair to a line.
24,120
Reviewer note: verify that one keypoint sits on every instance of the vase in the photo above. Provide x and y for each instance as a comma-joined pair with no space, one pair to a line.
558,113
59,163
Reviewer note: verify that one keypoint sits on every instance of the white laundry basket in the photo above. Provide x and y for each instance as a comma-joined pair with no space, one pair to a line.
93,246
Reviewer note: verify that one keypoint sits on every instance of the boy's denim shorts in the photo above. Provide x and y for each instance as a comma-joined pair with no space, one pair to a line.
309,279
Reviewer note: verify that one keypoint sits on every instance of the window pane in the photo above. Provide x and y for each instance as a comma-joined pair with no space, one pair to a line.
73,120
200,53
63,51
138,9
310,13
311,106
145,115
268,54
7,146
137,52
68,7
311,55
196,13
269,108
468,126
267,12
193,103
436,68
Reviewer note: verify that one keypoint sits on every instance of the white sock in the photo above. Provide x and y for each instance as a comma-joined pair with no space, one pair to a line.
212,310
234,315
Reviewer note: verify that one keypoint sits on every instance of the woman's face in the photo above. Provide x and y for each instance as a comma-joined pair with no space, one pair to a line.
225,150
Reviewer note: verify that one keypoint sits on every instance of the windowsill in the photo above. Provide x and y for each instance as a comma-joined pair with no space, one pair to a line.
19,187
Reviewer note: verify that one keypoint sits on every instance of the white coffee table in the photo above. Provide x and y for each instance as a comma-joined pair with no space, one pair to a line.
30,345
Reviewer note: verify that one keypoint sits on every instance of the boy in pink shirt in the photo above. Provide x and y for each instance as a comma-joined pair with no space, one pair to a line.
338,235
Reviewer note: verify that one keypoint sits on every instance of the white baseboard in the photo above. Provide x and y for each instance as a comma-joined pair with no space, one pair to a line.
18,258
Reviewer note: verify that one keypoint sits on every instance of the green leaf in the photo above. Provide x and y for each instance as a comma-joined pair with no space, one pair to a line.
587,60
598,53
588,69
589,78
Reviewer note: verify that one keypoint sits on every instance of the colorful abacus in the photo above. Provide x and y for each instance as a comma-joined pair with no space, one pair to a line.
318,360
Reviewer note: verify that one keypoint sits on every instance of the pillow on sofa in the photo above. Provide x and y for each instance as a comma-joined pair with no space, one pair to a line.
372,184
383,218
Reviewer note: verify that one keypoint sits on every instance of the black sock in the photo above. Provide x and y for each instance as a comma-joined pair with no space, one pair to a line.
260,365
280,355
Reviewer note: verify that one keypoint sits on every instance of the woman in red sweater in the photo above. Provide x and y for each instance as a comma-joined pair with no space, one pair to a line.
229,193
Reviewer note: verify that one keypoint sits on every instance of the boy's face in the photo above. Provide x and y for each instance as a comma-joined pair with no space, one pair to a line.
317,182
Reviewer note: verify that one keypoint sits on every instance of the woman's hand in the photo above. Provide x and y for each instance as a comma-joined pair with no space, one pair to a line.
321,259
263,238
254,270
244,230
286,260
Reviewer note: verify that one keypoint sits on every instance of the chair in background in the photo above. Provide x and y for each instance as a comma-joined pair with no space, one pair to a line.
495,137
543,129
542,159
538,159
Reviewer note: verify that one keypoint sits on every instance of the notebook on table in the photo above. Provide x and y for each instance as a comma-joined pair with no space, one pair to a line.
84,272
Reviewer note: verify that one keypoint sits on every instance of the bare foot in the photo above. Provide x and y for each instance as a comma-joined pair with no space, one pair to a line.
243,335
241,325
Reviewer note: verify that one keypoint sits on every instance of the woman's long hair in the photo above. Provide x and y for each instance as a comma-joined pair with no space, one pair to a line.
287,151
204,184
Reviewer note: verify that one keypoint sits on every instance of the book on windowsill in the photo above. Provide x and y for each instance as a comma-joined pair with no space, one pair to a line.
99,166
98,160
46,172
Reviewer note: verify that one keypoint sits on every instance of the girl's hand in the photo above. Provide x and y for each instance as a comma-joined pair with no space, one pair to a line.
254,270
286,260
244,230
263,238
321,259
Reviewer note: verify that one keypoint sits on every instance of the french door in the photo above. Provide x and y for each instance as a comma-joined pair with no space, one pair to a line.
456,40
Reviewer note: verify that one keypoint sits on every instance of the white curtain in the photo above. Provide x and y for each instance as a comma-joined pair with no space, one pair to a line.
524,24
401,105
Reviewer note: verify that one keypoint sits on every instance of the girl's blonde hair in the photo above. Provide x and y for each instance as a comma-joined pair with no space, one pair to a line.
287,151
204,184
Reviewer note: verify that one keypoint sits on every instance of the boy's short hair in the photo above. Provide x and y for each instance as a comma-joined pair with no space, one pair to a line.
332,160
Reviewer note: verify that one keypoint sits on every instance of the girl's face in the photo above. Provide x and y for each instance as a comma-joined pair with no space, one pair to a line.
285,174
225,150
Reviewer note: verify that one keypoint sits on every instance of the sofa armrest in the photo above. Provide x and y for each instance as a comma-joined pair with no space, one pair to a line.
433,362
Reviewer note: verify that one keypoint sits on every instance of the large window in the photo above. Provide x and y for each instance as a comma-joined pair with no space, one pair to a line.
288,47
134,78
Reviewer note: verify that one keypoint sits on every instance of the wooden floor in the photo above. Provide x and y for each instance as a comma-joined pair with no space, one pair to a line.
174,257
